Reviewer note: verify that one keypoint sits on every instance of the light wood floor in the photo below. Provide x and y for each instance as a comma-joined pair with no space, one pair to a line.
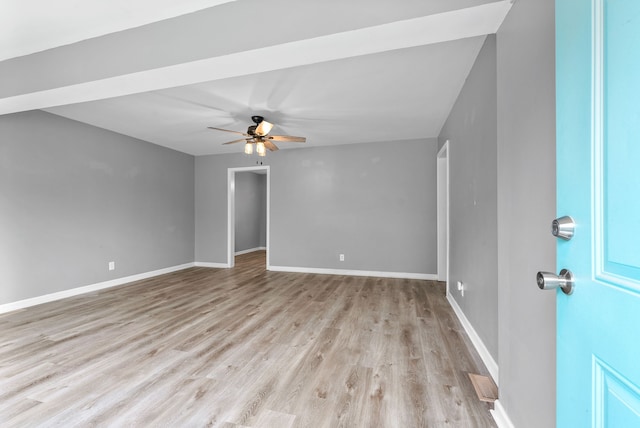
242,347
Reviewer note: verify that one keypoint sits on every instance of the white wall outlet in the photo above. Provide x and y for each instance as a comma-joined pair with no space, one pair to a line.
461,288
112,265
341,257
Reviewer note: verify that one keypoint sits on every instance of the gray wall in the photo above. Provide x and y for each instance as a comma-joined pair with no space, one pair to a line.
262,179
473,243
526,206
251,210
74,197
509,176
376,203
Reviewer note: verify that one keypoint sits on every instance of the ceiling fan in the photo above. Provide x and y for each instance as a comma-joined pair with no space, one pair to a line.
258,135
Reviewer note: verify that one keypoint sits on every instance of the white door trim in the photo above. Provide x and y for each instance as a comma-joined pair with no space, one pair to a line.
231,209
443,213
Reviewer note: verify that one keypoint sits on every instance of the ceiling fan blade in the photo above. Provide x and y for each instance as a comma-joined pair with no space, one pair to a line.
236,141
228,130
269,145
263,128
287,138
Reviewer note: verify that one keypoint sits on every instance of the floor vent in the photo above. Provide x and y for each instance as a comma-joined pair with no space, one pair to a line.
485,388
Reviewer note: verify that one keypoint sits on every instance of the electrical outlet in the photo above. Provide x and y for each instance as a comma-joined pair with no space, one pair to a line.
341,257
112,265
461,288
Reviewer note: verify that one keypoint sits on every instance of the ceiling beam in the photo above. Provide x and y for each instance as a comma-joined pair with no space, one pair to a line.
441,27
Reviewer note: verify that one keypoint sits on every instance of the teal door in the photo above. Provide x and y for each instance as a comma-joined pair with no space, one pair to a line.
598,184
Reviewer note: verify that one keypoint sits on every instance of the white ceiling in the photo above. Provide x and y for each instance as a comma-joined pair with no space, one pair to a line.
393,76
28,26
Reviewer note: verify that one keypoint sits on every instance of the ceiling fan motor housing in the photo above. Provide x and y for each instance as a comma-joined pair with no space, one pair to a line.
252,129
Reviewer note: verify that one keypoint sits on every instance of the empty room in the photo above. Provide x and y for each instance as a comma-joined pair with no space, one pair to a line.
285,213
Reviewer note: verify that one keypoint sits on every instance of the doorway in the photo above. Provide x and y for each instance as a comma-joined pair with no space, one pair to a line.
443,213
231,214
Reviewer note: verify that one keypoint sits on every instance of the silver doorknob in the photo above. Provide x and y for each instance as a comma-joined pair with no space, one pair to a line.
551,281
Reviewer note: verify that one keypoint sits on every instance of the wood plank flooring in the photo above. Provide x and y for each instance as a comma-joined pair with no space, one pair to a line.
242,347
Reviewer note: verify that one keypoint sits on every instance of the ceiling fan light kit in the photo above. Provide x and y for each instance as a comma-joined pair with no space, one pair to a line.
258,135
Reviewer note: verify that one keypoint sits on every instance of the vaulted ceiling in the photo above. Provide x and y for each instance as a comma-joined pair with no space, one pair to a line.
336,72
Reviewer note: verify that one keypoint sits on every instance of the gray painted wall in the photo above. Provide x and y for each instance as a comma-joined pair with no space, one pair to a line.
376,203
74,197
262,182
251,210
526,206
473,243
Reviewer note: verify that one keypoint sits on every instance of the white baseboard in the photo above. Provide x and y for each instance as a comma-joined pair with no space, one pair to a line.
323,271
250,250
21,304
211,265
486,357
500,416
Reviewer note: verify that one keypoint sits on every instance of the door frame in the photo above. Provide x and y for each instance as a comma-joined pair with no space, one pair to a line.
231,209
443,213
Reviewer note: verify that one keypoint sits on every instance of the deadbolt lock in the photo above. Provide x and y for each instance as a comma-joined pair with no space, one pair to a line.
563,227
